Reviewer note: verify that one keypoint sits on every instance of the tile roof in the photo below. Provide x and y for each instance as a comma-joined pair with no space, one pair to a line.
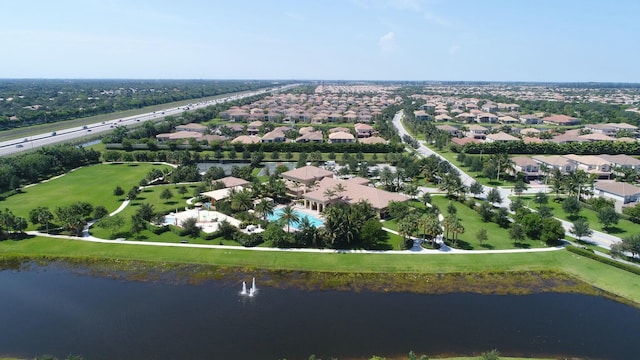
355,192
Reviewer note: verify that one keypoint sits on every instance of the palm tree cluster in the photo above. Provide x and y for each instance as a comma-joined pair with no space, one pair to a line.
576,183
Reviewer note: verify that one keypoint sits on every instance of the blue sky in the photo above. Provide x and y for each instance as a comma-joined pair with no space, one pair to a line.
469,40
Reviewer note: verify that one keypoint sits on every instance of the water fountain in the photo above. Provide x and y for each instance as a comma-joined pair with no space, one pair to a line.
252,291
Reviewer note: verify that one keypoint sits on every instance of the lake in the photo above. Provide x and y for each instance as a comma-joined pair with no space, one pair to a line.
54,310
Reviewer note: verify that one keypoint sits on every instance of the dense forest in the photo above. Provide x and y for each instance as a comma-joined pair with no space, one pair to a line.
29,102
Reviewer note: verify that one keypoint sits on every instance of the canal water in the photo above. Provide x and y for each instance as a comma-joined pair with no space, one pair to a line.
53,310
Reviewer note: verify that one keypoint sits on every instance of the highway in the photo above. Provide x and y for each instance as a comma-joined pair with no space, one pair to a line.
40,140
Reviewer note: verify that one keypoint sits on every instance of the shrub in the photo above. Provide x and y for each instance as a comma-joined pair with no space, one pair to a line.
590,254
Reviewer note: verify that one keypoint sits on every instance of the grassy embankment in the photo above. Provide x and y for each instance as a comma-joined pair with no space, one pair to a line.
483,273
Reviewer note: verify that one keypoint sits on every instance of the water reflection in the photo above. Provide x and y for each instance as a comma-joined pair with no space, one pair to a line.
48,310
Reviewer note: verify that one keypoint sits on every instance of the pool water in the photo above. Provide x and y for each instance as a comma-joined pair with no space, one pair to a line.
277,214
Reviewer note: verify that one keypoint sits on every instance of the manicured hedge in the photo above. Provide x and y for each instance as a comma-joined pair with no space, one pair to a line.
590,254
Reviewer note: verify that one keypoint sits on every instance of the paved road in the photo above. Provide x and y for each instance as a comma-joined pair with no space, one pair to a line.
599,238
44,139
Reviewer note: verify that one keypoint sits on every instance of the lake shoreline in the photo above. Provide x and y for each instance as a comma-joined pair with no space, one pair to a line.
484,283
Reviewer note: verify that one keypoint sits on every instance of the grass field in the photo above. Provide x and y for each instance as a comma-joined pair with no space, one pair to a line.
93,184
498,237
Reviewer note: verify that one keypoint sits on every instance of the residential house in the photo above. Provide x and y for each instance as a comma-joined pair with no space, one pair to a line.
373,140
192,127
486,117
443,117
237,128
313,136
625,126
591,164
489,107
465,140
560,120
178,135
500,137
466,117
508,120
341,137
477,131
246,139
529,119
273,136
596,137
605,129
254,127
529,131
339,129
620,192
452,130
363,130
527,166
621,161
556,162
421,115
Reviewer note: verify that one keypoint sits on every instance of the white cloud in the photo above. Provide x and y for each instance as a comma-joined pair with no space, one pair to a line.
387,42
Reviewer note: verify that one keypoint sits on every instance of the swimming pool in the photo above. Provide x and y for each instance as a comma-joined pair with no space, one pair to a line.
277,214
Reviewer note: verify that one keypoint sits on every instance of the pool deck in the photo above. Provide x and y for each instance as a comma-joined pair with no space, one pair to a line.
208,220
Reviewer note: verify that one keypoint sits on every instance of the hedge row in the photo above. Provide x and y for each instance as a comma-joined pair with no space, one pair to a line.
590,254
281,147
550,148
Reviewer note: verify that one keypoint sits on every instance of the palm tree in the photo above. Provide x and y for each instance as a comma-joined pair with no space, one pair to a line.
241,200
339,189
457,229
289,216
265,208
502,162
430,226
557,183
448,223
411,190
329,193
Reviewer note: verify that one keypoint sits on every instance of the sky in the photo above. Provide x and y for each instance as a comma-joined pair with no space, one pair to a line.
414,40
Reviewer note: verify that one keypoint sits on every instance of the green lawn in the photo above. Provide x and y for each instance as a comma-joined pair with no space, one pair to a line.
93,184
622,229
498,237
